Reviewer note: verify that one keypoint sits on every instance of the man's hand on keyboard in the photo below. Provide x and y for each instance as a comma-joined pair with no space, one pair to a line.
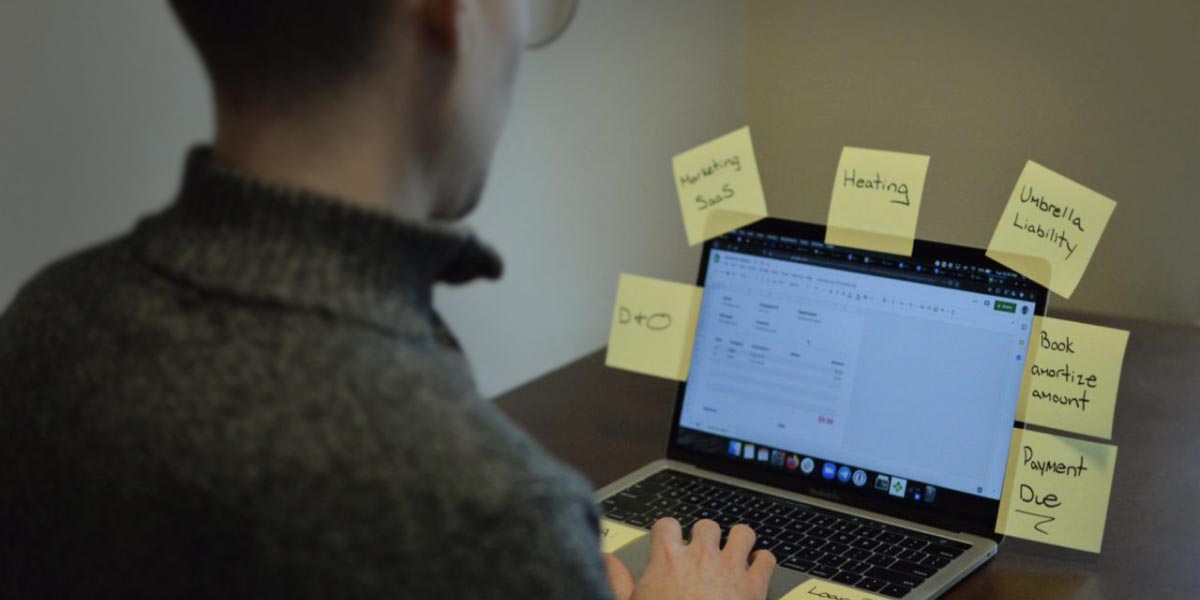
697,570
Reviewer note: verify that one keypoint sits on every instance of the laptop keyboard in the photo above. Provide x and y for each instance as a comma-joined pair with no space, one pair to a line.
850,550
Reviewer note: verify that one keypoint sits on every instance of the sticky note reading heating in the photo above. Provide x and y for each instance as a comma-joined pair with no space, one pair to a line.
653,327
1056,490
827,590
721,173
614,535
876,199
1050,218
1073,375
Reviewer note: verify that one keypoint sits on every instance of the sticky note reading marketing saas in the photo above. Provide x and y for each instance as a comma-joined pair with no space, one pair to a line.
816,589
876,199
614,535
1073,374
1056,490
653,327
1050,218
721,173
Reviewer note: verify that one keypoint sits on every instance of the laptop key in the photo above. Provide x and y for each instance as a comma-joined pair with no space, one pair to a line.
865,544
790,537
638,520
881,560
935,561
895,591
778,521
725,520
798,564
834,548
810,554
847,577
823,520
842,538
871,584
944,551
799,527
765,543
913,543
889,537
812,542
855,566
820,532
857,554
822,571
897,577
716,505
736,509
868,532
912,555
889,550
832,560
784,550
904,566
757,515
768,531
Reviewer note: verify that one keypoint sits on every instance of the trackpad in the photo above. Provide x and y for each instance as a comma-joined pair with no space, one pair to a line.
637,554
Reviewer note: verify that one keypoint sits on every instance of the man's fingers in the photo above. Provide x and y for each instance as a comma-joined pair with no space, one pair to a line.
619,577
666,533
706,533
762,566
741,540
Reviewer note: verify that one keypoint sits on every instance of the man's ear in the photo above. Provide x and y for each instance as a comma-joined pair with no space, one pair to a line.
441,20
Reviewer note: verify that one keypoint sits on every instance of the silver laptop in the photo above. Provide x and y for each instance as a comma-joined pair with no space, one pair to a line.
855,408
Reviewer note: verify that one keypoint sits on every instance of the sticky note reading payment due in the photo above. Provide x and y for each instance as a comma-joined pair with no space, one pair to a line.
1056,490
814,589
876,199
1073,375
614,535
653,327
721,173
1050,218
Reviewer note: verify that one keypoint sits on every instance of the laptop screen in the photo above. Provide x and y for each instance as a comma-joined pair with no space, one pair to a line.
886,376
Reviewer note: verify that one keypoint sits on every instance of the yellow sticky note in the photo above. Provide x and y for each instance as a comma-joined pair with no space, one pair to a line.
1056,490
721,173
614,535
1074,371
653,327
876,199
1050,218
815,589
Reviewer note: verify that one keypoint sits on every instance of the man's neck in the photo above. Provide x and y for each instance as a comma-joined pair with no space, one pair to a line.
346,156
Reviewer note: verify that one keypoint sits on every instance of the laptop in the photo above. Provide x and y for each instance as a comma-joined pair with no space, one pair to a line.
855,408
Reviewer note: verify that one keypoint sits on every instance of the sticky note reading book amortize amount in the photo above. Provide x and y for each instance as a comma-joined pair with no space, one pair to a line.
815,589
876,199
614,535
653,327
1074,372
719,174
1056,490
1050,218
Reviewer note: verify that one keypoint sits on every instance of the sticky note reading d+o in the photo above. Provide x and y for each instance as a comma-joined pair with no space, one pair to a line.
1050,218
614,535
653,327
816,589
1056,490
719,174
1073,375
876,199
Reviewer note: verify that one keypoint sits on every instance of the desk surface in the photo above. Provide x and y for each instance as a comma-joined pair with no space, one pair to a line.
606,422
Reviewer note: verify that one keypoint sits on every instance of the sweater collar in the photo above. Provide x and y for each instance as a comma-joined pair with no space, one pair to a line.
232,233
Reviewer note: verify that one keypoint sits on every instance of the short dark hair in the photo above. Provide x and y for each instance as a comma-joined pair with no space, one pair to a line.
282,50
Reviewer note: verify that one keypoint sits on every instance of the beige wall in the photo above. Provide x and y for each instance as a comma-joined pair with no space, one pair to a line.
100,99
1102,91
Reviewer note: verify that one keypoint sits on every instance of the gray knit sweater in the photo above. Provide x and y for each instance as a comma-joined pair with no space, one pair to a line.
251,396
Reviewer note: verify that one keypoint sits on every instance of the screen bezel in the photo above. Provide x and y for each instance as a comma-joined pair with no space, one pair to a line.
974,514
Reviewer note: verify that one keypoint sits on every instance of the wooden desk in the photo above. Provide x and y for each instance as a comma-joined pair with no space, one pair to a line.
606,422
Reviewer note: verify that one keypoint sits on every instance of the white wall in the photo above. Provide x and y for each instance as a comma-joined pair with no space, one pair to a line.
1102,91
100,99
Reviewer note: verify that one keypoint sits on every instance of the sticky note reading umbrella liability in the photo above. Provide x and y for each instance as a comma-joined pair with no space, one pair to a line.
1073,375
721,174
1056,490
876,200
653,327
1053,219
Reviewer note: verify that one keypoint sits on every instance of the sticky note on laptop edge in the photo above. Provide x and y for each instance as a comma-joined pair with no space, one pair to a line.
1053,218
876,200
721,173
815,589
615,535
653,326
1072,376
1056,490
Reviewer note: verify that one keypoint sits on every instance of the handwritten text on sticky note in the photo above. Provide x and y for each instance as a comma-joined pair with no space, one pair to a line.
876,199
815,589
614,535
1050,218
1056,490
1074,374
722,173
653,327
